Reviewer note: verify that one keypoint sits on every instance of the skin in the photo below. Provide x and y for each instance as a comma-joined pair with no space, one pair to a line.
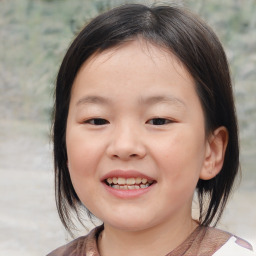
129,87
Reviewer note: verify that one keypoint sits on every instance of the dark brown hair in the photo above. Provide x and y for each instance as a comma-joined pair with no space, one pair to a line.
200,51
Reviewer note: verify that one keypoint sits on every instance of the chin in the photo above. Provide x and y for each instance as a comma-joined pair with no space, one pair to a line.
127,217
130,225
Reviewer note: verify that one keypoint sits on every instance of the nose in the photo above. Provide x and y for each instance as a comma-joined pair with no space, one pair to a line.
126,143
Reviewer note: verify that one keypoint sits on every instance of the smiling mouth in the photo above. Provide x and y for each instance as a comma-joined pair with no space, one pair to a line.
129,183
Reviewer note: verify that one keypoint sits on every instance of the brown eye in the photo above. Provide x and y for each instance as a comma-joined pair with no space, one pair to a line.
97,121
159,121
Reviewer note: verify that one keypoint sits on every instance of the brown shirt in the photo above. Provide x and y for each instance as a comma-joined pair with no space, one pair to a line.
203,241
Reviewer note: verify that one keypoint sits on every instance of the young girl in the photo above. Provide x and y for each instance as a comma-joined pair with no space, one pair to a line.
144,117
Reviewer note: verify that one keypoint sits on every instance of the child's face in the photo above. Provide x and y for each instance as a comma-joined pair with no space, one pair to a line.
134,113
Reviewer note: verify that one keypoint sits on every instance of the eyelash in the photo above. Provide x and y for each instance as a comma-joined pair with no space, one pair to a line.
160,121
154,121
97,121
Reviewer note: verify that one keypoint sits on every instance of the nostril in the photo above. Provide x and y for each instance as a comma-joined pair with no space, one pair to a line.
131,155
125,151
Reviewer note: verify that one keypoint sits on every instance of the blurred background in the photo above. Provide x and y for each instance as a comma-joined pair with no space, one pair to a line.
34,35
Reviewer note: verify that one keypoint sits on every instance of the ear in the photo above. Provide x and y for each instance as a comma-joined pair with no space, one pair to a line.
215,153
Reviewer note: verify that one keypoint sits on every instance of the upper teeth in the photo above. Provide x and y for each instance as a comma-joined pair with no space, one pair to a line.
129,181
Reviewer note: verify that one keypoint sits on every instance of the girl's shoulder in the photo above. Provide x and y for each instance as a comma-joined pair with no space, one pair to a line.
70,248
84,245
235,246
230,244
212,241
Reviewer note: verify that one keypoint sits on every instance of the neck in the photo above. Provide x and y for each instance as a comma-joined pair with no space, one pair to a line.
160,240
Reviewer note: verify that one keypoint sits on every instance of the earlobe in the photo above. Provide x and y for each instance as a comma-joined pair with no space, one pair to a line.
215,153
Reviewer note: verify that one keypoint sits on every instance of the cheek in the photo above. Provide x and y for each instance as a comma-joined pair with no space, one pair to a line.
182,156
82,160
82,154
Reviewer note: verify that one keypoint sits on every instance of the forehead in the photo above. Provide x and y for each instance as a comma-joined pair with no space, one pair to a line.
151,68
133,50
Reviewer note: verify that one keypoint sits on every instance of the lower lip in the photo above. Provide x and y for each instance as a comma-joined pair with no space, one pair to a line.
127,194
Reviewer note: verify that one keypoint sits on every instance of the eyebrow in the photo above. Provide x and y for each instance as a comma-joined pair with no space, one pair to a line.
93,99
163,99
143,100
